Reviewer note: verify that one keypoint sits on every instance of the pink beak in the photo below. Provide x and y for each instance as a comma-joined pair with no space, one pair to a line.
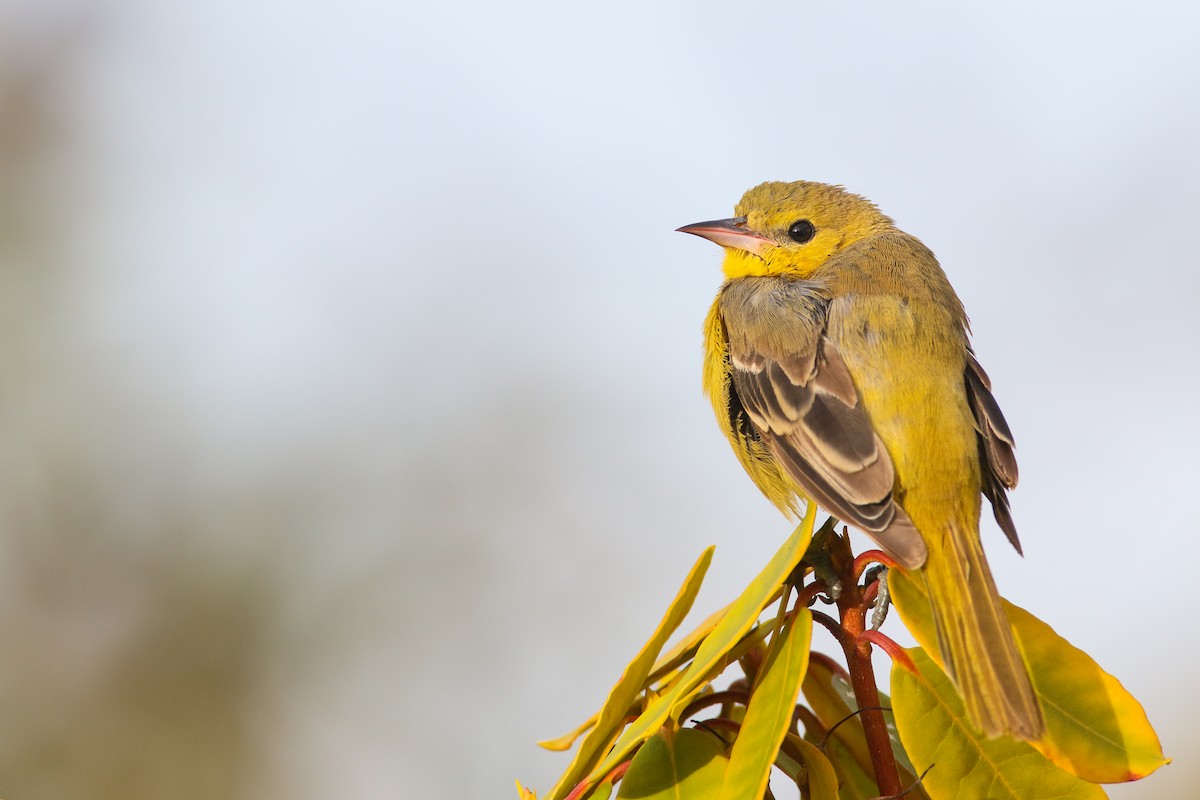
728,233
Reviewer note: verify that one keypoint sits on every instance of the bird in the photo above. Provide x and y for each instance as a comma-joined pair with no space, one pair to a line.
839,365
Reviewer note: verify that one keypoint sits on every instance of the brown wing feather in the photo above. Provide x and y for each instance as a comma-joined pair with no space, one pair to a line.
996,443
807,409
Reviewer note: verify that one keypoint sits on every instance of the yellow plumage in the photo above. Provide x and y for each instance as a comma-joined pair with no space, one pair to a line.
838,365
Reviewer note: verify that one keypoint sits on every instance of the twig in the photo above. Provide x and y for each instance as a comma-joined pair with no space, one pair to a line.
858,659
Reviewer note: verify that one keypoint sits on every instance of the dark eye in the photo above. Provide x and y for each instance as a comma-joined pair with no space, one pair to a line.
801,231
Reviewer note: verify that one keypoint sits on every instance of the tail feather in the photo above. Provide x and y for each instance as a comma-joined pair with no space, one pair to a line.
978,648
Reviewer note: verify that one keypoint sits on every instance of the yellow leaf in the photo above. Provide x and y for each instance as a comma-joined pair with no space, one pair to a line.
854,783
912,601
822,778
744,645
686,647
710,656
1094,727
934,730
826,691
685,764
565,741
769,713
631,683
827,703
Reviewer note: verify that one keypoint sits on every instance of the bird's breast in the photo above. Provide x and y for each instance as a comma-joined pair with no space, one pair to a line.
778,314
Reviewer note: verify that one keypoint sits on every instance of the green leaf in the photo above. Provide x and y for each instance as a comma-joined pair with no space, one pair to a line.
1094,727
741,616
631,684
769,713
934,730
685,764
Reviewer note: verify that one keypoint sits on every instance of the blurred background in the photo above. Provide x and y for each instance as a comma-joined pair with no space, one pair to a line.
351,429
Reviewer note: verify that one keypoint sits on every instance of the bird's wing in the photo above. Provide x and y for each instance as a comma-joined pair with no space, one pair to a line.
804,404
995,447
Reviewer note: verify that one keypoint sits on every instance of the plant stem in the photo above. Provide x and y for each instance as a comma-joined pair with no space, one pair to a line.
862,673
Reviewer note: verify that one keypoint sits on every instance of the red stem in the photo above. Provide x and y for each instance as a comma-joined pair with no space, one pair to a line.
858,659
894,651
871,594
713,699
809,593
868,557
831,625
862,678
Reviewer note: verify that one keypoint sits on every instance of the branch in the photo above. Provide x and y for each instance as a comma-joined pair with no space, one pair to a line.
852,609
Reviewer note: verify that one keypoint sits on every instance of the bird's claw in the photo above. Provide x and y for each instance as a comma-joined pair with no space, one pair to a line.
817,557
883,598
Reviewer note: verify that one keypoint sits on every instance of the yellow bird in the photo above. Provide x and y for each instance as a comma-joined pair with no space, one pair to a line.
838,364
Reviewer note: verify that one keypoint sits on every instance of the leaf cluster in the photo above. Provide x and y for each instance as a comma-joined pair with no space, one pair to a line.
742,696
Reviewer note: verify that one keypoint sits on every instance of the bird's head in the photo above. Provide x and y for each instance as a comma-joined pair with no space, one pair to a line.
790,228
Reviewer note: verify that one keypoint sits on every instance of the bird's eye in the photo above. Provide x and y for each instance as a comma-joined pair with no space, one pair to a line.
801,231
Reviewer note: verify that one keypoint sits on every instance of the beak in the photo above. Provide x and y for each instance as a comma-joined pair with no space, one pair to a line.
728,233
